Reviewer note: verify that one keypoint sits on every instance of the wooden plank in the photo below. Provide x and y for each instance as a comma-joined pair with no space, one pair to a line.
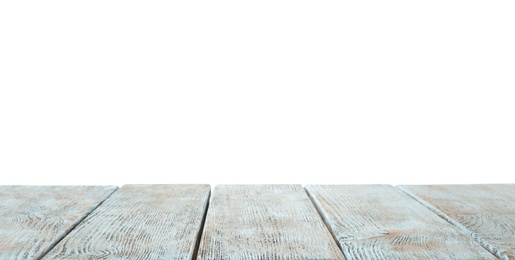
380,222
34,218
485,212
265,222
140,222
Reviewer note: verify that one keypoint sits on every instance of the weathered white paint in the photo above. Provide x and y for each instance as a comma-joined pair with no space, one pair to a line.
485,212
34,218
265,222
380,222
140,222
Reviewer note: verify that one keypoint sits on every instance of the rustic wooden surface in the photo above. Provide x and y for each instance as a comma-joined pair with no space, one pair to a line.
380,222
140,222
265,222
34,218
485,212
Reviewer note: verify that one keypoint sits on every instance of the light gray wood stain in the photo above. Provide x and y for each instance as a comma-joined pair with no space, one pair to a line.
34,218
265,222
485,212
140,222
380,222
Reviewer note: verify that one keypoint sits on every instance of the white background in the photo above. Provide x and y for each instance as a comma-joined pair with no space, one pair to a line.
398,92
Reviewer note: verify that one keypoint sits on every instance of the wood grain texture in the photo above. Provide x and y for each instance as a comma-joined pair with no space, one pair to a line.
485,212
34,218
265,222
140,222
380,222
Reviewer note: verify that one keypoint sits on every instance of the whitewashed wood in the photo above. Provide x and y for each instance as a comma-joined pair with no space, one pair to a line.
265,222
34,218
140,222
380,222
485,212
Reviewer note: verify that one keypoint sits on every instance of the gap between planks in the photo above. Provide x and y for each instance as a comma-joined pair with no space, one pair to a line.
201,229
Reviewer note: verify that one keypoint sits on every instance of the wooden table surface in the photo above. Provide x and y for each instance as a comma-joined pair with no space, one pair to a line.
258,222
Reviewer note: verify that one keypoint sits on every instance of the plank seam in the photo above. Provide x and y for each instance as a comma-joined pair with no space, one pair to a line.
322,215
74,225
483,243
200,231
